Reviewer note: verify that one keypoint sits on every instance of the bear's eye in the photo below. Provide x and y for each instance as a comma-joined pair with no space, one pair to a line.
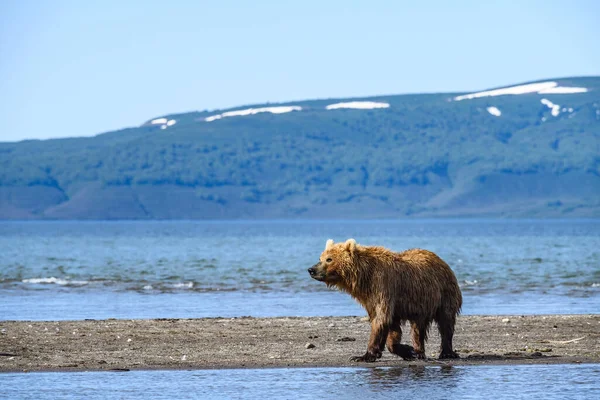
329,260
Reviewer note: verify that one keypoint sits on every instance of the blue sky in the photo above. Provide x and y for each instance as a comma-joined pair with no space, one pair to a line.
79,68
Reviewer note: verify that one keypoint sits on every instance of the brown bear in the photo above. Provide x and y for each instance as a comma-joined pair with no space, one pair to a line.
415,285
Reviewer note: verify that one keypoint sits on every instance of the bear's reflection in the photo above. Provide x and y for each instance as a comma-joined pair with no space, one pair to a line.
417,375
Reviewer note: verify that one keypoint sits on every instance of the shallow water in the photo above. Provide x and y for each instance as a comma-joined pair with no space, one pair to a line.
75,270
464,382
35,305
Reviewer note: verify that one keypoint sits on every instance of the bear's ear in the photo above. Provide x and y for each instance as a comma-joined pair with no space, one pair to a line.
329,244
350,245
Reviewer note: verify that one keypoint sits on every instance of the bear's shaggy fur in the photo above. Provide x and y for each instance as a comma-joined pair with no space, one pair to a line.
415,285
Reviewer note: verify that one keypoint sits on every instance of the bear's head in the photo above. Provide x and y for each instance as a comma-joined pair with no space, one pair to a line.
335,263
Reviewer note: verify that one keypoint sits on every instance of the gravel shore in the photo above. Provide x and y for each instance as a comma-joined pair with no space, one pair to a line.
247,342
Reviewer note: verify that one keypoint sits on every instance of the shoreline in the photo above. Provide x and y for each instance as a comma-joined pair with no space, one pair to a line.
248,342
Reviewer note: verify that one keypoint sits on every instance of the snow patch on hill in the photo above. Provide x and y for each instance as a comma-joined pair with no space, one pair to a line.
541,88
563,90
494,111
163,122
363,105
252,111
554,107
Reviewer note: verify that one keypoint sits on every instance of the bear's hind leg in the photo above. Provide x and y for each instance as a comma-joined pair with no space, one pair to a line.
395,347
446,329
419,336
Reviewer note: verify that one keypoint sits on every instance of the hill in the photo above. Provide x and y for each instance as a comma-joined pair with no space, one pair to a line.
532,150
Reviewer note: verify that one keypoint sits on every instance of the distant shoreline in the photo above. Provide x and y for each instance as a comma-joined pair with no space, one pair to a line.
247,342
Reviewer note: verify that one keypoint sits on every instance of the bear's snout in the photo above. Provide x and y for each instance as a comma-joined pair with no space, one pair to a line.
315,272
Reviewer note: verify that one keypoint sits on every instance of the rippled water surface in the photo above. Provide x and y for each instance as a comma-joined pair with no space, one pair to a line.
75,270
464,382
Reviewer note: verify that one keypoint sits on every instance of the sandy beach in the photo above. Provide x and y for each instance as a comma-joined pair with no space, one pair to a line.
246,342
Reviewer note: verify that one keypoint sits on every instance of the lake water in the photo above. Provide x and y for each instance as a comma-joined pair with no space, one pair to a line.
416,382
190,269
78,270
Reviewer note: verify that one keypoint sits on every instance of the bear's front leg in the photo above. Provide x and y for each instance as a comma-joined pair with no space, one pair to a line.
379,334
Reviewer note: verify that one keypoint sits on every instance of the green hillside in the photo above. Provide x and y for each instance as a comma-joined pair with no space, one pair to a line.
424,155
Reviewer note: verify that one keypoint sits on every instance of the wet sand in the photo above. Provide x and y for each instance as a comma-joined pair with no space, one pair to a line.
208,343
